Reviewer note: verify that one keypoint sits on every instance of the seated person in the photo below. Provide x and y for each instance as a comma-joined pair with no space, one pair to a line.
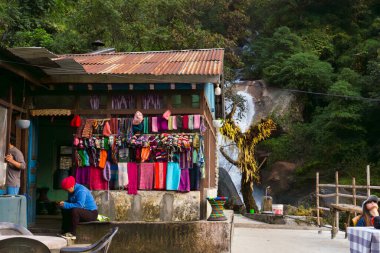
80,206
370,210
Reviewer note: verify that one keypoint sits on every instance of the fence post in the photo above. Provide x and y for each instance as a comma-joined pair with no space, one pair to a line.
337,199
317,195
368,181
354,192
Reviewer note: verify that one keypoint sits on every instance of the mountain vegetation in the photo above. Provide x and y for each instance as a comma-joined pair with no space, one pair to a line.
327,52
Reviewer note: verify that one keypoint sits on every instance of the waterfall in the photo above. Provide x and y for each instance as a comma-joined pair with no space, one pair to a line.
244,123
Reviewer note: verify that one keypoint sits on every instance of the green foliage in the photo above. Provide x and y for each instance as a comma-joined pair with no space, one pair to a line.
302,71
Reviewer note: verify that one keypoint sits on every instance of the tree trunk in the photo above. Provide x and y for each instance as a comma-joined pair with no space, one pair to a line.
247,192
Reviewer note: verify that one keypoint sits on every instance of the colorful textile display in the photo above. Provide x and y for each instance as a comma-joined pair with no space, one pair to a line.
166,159
160,170
173,176
146,176
132,178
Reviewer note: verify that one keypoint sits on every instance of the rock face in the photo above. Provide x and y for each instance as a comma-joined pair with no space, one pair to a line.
282,106
279,177
272,102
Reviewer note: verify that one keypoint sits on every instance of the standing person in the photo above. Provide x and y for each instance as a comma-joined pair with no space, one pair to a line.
370,211
15,163
80,206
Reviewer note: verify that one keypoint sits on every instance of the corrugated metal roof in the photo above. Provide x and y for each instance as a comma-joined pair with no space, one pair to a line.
182,62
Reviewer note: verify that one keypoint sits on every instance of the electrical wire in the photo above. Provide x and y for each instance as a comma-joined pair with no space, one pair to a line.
72,71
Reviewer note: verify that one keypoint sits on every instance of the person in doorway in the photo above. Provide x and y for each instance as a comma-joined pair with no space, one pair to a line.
80,207
15,163
370,211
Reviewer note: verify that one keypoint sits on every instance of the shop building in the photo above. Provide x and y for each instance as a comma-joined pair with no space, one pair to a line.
136,128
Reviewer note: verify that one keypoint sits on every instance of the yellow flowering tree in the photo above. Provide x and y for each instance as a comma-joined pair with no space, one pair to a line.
246,161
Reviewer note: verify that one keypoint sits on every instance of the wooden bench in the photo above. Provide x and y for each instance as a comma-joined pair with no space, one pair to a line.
348,209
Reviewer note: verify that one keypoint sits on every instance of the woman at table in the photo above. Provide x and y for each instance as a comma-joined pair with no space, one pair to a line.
370,211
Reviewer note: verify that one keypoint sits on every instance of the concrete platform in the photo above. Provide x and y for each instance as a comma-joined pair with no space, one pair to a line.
265,240
169,237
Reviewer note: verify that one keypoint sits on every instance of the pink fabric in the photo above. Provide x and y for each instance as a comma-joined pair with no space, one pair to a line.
167,114
197,121
184,183
160,170
132,178
154,124
146,176
97,181
174,122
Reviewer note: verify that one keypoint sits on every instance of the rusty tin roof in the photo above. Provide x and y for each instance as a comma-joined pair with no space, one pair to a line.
181,62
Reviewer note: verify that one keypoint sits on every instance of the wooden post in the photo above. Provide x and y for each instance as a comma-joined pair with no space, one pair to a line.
9,119
368,181
354,192
337,200
317,195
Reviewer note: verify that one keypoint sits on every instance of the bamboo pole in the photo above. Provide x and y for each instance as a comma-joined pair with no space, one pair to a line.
354,192
337,199
317,195
368,181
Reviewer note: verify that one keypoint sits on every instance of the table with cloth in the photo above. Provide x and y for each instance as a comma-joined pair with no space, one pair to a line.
52,242
364,239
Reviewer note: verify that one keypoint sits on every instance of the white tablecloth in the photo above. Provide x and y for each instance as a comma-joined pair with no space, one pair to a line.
52,242
364,239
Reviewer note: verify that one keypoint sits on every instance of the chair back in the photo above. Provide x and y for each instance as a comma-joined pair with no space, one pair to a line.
100,246
104,243
22,245
9,228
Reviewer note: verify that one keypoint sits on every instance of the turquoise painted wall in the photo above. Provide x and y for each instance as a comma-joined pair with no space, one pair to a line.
210,96
52,134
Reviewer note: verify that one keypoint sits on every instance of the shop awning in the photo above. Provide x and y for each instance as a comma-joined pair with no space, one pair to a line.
50,112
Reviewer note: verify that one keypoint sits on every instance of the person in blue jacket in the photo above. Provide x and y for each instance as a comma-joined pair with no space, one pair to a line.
370,211
80,207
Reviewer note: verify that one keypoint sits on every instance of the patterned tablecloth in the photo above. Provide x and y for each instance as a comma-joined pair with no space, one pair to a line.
364,239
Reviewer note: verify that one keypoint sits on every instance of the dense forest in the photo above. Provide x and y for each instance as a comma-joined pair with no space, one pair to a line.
328,49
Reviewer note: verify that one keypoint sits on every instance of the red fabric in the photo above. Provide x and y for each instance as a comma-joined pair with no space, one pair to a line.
160,175
68,182
185,122
76,121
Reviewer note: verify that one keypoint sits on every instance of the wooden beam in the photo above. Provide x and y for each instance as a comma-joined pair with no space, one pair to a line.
18,71
114,78
8,105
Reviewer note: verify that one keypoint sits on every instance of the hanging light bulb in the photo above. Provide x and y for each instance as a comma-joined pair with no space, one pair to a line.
218,90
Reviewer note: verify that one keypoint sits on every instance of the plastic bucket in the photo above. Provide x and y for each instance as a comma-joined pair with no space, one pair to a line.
278,209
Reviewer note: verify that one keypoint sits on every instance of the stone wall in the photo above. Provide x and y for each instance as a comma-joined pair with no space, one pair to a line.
149,206
158,237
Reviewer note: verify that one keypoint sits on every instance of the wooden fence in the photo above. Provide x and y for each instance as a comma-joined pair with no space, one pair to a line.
338,195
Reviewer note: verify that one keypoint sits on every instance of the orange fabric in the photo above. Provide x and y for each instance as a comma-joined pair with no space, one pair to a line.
102,159
145,154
